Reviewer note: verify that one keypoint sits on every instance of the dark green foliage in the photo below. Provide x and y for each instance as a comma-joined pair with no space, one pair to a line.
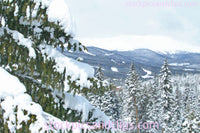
38,73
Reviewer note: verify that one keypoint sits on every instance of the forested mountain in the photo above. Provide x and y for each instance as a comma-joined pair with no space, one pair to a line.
147,62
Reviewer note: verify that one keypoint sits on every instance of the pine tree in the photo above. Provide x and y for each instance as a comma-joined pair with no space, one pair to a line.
198,105
99,74
120,97
131,96
26,30
143,101
97,99
167,99
111,105
191,123
177,117
154,103
191,119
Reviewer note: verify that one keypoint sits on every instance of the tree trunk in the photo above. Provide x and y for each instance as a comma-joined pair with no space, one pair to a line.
163,130
136,114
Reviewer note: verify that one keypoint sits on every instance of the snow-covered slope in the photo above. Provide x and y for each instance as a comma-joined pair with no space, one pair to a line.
148,74
114,69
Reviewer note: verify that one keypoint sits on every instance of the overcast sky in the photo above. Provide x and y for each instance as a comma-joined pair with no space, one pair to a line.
125,27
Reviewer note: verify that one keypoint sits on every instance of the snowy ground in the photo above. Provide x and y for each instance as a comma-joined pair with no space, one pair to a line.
148,74
114,69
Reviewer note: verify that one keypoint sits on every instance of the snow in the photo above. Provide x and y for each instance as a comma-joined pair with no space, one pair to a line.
148,73
98,67
54,122
58,12
114,69
77,70
3,22
79,59
26,42
109,54
81,104
113,61
89,53
21,40
80,72
12,92
188,69
179,64
7,88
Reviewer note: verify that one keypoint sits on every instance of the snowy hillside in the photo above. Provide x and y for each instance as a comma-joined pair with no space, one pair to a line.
148,74
142,58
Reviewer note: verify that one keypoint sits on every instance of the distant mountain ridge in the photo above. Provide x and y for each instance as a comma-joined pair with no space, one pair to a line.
116,64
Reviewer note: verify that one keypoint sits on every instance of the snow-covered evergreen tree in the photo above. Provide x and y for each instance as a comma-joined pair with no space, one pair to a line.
107,101
191,118
177,117
154,103
198,105
191,123
31,31
99,74
110,105
143,101
120,97
185,116
167,99
96,99
131,96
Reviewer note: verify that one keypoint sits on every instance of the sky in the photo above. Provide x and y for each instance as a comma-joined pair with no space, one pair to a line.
127,24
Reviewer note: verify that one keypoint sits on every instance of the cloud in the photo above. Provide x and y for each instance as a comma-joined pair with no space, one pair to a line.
131,42
102,20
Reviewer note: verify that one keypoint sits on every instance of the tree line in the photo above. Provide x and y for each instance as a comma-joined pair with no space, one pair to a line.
172,101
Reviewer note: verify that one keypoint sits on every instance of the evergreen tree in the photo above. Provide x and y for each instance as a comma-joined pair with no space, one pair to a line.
120,97
184,108
99,74
99,98
191,123
143,101
167,99
154,103
198,105
26,31
111,105
131,96
191,119
189,100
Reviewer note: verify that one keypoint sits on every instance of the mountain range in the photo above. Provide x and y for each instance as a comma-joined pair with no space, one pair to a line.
116,64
